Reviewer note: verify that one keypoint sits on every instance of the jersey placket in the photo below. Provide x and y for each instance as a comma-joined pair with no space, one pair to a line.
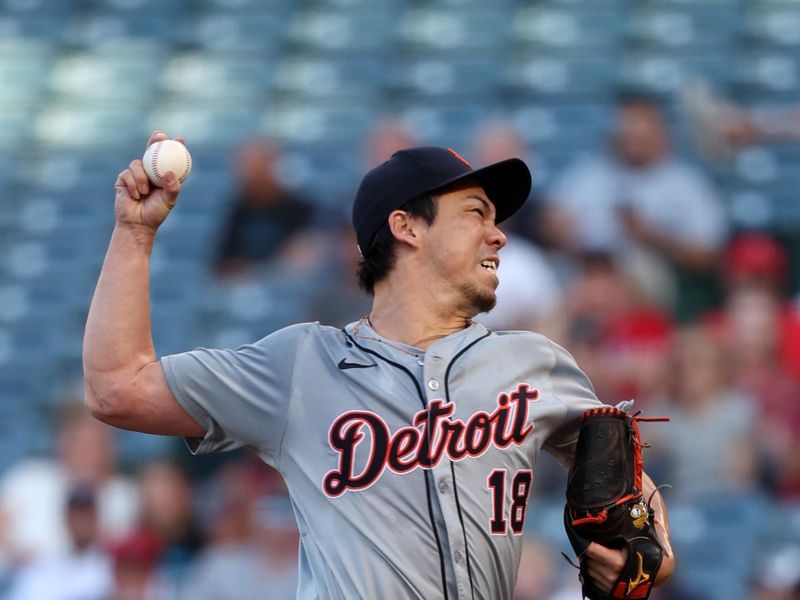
443,490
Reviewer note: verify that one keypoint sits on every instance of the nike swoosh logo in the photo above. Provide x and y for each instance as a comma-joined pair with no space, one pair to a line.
343,364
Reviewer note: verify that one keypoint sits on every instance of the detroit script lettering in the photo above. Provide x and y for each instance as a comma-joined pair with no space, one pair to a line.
432,435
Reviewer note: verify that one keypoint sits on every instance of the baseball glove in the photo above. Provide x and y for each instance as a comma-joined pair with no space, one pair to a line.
605,502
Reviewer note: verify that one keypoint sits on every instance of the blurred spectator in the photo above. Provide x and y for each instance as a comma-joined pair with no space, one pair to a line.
762,331
336,297
759,260
619,338
265,216
136,558
34,491
529,291
710,443
167,514
385,138
721,127
83,573
754,327
254,542
639,198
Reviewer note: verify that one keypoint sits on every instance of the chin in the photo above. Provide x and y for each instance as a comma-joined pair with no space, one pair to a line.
479,300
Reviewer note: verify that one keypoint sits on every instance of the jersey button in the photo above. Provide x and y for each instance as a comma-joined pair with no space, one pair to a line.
444,487
433,385
459,558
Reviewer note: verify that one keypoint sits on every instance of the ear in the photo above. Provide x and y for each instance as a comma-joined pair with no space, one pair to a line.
405,227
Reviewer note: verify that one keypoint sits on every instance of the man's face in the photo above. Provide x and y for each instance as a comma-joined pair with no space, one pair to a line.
640,136
461,247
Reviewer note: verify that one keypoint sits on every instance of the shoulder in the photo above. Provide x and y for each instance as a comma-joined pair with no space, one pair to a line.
299,338
299,332
526,341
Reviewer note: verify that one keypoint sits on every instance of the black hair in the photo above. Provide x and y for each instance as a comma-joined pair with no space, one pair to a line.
378,260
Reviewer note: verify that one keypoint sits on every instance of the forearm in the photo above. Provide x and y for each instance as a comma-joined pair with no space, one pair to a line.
661,526
118,341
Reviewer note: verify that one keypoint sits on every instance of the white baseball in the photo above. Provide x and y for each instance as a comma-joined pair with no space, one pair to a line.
164,156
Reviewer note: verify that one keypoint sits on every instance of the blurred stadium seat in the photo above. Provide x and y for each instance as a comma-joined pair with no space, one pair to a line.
585,28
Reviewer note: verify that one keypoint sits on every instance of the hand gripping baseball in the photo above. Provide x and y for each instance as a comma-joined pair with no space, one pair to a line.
138,202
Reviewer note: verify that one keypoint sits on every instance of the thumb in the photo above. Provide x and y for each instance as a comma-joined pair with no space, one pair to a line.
171,189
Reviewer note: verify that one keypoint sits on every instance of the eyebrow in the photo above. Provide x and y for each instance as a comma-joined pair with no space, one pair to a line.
482,200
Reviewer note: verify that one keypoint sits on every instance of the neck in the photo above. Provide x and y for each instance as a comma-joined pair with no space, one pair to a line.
414,316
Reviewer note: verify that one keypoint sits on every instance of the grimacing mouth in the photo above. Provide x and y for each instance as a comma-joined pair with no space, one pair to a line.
490,264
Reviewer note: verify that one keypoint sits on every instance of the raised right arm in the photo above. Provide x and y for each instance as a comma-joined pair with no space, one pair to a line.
124,382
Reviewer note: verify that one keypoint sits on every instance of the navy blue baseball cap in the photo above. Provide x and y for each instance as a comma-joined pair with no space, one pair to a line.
412,172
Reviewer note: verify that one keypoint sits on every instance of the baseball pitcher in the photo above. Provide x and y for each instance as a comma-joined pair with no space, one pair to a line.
408,440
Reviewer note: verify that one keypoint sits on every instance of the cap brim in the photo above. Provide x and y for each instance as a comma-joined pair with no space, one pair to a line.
507,184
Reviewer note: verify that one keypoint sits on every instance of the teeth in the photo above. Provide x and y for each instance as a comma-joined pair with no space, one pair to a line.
489,264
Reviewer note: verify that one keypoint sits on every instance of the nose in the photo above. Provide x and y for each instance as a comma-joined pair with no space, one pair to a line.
496,238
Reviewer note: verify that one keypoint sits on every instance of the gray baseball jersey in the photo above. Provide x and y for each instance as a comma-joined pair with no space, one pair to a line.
409,471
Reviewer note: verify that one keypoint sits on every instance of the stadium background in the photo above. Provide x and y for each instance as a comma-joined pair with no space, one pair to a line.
82,83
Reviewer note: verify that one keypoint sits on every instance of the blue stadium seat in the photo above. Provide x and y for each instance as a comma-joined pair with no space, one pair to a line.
105,28
37,7
557,76
113,80
77,126
475,76
775,26
205,123
23,71
318,77
465,30
687,25
359,30
562,125
16,127
664,72
222,77
46,26
276,7
772,72
304,122
448,123
255,30
136,8
562,28
328,177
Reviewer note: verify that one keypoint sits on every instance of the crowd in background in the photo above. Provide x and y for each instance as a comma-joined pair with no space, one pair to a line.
626,260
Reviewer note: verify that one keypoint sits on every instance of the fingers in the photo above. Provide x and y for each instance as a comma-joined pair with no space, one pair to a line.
127,182
159,135
140,176
134,180
156,136
170,189
604,565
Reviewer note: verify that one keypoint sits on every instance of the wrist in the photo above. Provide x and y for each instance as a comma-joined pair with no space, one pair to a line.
141,235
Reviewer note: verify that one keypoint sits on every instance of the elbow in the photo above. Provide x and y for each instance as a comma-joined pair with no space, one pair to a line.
105,405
